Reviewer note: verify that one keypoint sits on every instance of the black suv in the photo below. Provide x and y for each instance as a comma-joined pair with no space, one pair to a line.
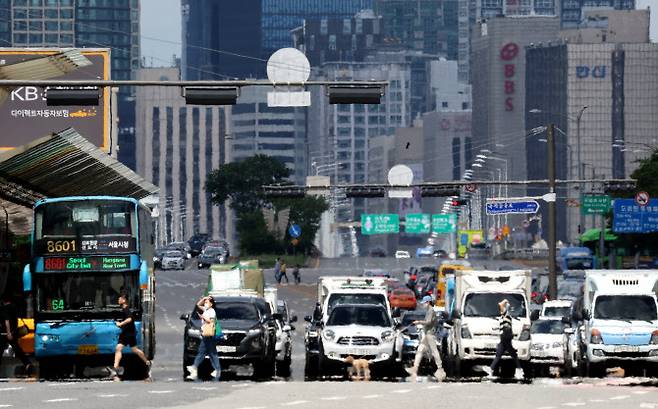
249,335
312,343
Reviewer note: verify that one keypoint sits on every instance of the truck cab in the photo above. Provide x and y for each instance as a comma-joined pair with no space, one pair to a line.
575,258
474,312
621,318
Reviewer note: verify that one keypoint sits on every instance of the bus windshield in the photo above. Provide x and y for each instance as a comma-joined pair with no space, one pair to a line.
85,218
68,292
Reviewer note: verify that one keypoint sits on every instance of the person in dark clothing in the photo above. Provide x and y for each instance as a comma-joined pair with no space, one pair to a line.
295,274
128,336
505,344
8,333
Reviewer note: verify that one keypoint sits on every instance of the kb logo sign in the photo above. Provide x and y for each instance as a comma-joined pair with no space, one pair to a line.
27,94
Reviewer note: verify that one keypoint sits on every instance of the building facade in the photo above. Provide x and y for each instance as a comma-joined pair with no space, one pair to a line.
428,26
178,146
278,132
618,85
446,92
499,85
573,11
83,23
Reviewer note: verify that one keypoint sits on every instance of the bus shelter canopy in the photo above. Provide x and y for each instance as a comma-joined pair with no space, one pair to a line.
62,164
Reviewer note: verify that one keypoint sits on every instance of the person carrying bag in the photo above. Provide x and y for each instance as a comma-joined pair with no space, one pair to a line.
10,332
208,345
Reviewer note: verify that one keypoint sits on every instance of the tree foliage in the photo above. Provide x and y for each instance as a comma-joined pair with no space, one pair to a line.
647,175
241,182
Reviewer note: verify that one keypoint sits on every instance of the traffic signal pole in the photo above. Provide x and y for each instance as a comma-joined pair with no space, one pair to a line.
552,222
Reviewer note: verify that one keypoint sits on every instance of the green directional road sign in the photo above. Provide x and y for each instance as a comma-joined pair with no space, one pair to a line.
444,223
417,223
380,224
595,204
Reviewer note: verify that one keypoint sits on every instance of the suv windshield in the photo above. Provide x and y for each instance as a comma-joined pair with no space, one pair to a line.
236,311
338,299
486,304
625,307
372,316
554,327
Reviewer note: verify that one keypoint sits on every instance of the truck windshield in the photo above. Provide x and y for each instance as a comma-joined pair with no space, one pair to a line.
579,263
67,292
359,315
236,311
625,307
355,298
486,304
569,289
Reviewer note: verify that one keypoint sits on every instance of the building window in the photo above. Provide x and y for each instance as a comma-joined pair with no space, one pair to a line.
464,105
332,42
324,26
444,104
347,26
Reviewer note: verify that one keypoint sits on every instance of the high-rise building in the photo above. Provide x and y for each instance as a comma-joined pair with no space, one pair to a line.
83,23
278,132
343,132
279,17
499,84
573,11
429,26
603,99
446,92
335,40
178,146
222,39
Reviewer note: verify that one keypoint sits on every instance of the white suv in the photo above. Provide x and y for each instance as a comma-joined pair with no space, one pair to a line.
361,330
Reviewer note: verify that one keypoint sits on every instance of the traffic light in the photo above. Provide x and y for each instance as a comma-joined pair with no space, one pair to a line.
211,95
459,202
363,94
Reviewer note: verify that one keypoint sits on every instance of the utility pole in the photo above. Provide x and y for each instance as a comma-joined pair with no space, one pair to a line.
552,223
581,171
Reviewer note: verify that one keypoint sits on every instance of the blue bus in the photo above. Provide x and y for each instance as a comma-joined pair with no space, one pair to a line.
86,250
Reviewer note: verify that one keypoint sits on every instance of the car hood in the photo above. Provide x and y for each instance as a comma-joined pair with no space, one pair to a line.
237,325
617,332
357,330
546,338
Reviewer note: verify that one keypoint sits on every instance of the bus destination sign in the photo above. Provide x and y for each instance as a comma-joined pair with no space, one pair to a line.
95,245
90,263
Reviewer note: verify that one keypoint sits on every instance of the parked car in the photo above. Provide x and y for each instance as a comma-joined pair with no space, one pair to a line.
402,254
180,246
422,252
440,253
173,260
211,255
249,336
284,339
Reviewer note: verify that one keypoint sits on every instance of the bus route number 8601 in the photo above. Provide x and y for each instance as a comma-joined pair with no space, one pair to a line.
59,246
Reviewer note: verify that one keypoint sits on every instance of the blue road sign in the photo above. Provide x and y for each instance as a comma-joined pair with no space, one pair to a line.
295,231
525,206
629,217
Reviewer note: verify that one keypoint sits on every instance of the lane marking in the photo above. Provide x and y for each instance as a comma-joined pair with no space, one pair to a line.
334,398
371,396
401,391
295,402
60,400
161,392
252,407
641,392
113,395
433,387
62,384
18,388
204,388
240,385
620,397
574,404
648,405
5,406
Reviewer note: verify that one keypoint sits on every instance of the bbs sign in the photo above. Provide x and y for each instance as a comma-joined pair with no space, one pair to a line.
508,55
26,115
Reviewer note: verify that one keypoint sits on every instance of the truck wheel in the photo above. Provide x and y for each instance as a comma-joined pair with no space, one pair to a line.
595,370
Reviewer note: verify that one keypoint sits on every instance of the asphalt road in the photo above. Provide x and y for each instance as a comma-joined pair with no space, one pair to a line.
178,290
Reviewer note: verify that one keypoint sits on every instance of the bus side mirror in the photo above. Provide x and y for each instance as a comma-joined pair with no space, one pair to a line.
27,278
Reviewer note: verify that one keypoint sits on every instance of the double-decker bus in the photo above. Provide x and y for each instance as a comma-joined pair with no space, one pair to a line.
86,250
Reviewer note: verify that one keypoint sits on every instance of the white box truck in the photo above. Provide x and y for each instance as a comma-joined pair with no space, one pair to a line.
475,328
621,319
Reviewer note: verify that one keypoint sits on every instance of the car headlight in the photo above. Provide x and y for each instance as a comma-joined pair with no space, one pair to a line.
254,331
155,259
466,333
387,336
525,334
194,333
596,337
654,338
328,334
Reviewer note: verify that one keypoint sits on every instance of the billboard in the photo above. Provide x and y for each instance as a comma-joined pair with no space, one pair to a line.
25,108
